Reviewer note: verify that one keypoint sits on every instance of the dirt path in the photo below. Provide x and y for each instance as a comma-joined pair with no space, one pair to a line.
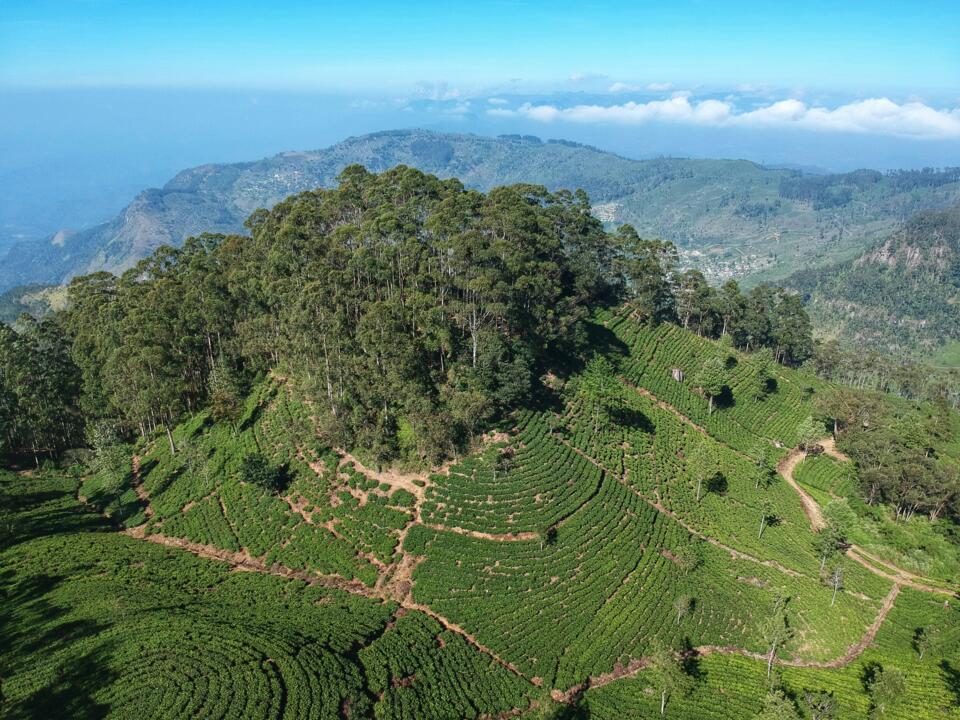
243,561
810,506
893,573
416,483
494,537
829,446
392,477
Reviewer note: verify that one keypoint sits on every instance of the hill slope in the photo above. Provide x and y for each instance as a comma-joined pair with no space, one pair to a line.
748,220
548,563
900,296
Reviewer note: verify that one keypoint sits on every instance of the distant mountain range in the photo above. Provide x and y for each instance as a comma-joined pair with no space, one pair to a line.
730,217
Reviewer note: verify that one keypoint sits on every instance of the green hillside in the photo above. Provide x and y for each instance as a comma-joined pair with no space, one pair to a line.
551,556
731,218
900,296
413,451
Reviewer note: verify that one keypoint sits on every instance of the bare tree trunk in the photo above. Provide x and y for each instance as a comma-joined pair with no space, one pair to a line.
173,448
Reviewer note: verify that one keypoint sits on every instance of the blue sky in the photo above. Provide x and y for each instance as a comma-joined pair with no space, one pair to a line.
101,98
855,47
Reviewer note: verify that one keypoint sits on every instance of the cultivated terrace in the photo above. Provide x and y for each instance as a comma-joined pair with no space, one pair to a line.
411,450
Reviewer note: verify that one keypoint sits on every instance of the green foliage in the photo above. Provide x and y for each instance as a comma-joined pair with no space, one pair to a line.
897,297
886,688
711,379
777,706
667,674
39,389
256,469
809,433
820,705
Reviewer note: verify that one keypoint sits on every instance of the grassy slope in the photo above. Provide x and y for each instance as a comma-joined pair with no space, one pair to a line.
472,539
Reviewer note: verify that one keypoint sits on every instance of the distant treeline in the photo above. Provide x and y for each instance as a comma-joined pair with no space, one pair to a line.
866,369
829,191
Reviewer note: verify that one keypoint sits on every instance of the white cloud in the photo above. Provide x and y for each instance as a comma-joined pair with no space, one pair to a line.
659,87
752,88
496,101
619,87
437,90
461,108
879,116
579,77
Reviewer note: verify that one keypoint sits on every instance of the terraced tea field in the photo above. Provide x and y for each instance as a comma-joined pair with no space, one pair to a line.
538,574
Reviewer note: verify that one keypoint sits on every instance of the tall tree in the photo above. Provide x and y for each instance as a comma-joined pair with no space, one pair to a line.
886,689
667,673
777,706
776,630
711,379
820,704
649,266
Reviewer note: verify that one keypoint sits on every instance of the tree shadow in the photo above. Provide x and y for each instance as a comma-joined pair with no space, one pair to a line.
868,673
595,339
251,420
31,626
147,465
690,660
546,400
634,419
951,677
725,399
44,513
717,484
285,476
70,694
579,709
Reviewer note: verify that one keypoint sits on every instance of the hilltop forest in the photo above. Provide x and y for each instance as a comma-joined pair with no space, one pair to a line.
413,450
410,310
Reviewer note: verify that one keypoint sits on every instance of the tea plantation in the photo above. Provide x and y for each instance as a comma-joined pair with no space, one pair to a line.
624,518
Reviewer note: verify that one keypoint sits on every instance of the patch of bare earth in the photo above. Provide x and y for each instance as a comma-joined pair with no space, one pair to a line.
137,484
810,506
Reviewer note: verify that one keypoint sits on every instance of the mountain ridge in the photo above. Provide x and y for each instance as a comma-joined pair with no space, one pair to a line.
735,218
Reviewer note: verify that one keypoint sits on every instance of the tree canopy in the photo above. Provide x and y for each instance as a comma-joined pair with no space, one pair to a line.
399,304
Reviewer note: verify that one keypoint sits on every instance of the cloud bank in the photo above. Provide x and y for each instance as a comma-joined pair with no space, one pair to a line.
880,116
